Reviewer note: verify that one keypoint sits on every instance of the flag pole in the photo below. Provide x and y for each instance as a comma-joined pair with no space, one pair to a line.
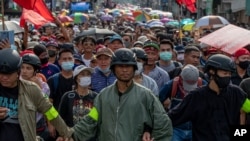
2,11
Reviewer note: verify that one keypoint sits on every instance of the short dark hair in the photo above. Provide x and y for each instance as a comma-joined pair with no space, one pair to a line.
189,49
167,42
89,38
64,51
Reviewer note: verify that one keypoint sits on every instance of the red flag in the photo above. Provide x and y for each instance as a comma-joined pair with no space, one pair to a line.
28,4
179,2
39,15
190,4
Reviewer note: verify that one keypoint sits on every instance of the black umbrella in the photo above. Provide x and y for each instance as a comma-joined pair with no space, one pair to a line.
95,32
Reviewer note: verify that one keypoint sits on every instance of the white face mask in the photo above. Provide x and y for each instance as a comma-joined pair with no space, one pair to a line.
85,81
140,68
180,56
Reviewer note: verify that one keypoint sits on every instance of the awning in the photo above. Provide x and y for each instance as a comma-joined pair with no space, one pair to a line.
228,39
238,5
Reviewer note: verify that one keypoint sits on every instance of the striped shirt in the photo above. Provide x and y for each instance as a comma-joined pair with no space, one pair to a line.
100,81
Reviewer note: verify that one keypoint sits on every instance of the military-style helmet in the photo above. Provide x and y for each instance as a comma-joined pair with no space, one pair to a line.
33,60
220,62
10,61
123,56
140,53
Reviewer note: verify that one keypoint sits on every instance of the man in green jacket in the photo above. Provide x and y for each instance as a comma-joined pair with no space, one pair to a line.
125,111
19,102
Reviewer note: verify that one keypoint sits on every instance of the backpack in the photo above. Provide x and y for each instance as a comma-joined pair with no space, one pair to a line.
175,84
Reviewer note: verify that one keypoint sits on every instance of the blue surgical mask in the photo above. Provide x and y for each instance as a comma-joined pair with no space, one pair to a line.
166,55
13,47
107,70
67,66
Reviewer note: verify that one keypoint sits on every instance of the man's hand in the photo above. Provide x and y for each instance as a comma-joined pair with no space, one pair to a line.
64,139
52,130
4,44
166,103
146,137
3,112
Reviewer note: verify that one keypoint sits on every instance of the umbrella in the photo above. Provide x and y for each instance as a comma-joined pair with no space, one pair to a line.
188,27
11,25
96,32
49,24
228,39
173,23
142,17
107,17
186,21
65,19
129,18
79,17
164,20
211,21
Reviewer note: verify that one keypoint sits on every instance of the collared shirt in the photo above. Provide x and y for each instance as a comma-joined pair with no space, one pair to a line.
100,81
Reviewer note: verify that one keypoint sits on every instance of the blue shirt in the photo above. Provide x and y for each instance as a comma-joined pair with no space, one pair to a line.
49,70
160,76
100,81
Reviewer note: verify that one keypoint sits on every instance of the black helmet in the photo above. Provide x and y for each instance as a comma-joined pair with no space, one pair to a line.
123,56
10,61
220,62
140,53
33,60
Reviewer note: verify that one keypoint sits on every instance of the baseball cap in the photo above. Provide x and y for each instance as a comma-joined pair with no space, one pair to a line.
52,43
138,43
116,37
81,68
32,44
241,52
143,39
151,45
104,51
190,76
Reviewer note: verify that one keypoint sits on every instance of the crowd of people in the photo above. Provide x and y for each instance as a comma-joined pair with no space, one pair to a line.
139,84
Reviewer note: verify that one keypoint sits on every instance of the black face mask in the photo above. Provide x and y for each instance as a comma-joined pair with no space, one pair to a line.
222,82
52,53
44,60
243,64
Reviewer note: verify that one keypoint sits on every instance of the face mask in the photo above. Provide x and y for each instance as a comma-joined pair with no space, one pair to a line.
13,47
243,64
85,81
127,44
44,60
107,70
67,66
222,82
165,55
180,56
52,53
140,68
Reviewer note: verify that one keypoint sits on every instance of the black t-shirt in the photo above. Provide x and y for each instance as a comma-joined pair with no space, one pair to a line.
73,107
211,114
64,85
10,125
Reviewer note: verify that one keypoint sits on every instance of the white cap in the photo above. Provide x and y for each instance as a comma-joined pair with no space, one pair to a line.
81,68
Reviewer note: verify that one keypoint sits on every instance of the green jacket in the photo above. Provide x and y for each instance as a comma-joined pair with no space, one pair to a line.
30,101
123,118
